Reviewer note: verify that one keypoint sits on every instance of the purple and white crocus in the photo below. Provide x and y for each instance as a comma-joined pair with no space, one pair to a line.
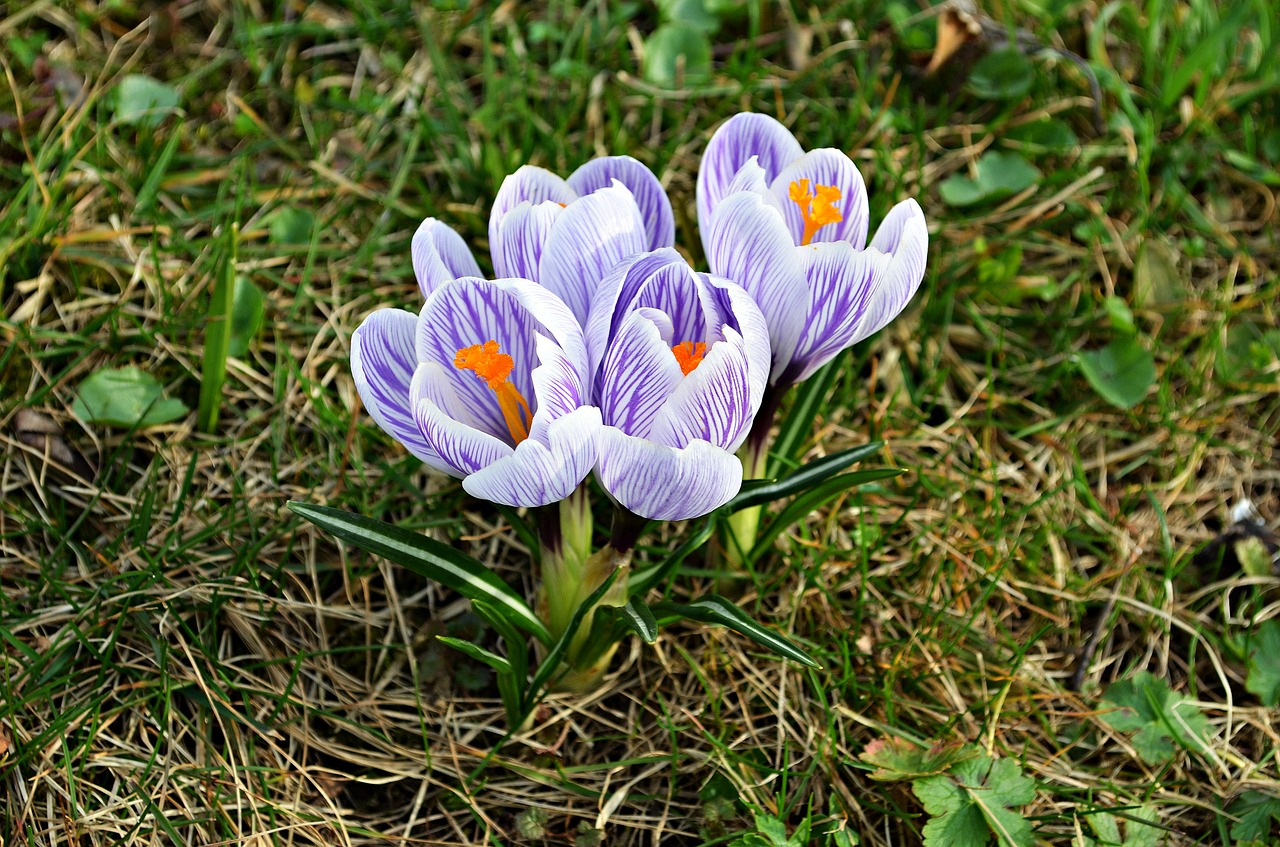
790,227
488,384
679,362
567,234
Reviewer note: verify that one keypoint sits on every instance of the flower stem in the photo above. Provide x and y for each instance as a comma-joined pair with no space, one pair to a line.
744,525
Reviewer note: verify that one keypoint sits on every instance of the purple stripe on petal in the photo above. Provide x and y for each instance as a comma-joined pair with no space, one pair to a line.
529,184
840,286
383,361
904,234
678,292
733,144
592,236
615,295
537,474
554,318
440,255
464,450
713,403
655,207
523,232
833,168
741,313
639,373
664,483
472,311
749,244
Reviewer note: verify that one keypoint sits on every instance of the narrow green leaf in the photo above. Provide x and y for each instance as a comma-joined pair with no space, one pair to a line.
477,652
551,663
428,557
1201,60
714,609
517,650
815,498
247,310
217,336
797,427
635,617
759,492
642,581
155,173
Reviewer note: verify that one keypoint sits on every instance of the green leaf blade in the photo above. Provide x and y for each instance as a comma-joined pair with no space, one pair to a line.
714,609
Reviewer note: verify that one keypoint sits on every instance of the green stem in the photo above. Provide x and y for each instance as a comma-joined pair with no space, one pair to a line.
744,525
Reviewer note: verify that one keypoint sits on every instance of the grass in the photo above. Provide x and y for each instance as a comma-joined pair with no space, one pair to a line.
184,662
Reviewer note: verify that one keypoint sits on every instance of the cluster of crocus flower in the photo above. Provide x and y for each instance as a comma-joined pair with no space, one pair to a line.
598,348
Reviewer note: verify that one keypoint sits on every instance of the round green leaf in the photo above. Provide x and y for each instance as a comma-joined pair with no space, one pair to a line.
143,101
247,308
127,398
692,12
677,54
1002,75
999,175
289,225
1121,372
1048,136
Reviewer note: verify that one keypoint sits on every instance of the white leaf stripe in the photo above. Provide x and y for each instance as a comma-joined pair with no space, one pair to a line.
428,557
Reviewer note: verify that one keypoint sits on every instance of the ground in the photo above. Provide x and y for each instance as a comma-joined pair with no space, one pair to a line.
186,662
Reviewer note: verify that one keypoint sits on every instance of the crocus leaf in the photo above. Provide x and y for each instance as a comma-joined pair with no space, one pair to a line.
1258,814
551,664
217,334
1002,75
517,651
677,54
815,498
759,492
977,798
1121,372
635,616
1264,663
642,581
247,309
714,609
127,398
143,101
477,652
1157,717
428,557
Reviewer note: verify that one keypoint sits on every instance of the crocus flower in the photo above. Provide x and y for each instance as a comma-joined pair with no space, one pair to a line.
568,234
790,227
487,384
680,361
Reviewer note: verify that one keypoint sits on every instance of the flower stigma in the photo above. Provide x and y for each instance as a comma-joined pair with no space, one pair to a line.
494,367
689,355
816,207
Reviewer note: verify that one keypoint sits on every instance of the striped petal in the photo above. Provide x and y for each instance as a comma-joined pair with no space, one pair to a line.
462,449
639,373
439,255
737,140
713,403
841,281
832,168
904,235
665,483
615,293
748,242
537,473
655,207
522,234
383,361
592,236
529,184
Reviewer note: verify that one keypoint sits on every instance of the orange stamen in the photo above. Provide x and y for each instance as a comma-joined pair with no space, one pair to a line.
816,207
494,367
689,355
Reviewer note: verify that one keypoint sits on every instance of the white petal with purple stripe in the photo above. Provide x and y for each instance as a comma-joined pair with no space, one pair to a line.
665,483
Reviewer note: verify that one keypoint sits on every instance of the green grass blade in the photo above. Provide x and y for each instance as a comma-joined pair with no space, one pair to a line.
759,492
816,497
217,337
428,557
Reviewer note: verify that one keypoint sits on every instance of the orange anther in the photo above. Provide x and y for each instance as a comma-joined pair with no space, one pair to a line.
494,367
817,207
689,355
